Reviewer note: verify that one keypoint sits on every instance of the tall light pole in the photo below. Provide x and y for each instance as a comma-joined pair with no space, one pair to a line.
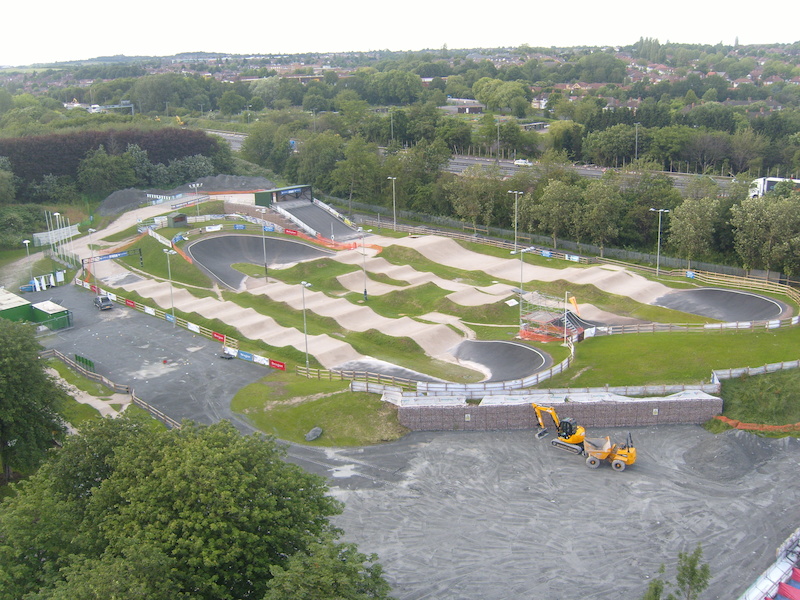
364,255
94,267
28,255
305,285
195,186
516,214
521,253
394,202
263,212
56,227
497,157
566,295
658,251
168,252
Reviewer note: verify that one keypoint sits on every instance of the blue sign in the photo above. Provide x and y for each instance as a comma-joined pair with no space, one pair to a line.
245,355
547,253
690,274
269,227
177,238
169,317
113,256
238,226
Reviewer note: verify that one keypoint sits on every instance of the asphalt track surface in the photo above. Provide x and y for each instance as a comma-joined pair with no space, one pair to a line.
215,255
175,370
723,305
504,360
320,220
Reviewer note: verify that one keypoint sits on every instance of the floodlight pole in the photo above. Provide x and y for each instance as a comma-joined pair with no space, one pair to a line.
658,250
521,267
394,203
169,252
94,267
364,255
28,254
195,187
304,285
516,214
263,211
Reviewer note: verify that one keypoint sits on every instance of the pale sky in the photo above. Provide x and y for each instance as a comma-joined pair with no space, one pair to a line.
53,31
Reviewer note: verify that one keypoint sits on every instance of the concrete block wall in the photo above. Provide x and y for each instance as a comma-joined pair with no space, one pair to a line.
595,414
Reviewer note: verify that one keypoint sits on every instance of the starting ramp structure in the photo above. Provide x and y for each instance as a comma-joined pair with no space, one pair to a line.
546,318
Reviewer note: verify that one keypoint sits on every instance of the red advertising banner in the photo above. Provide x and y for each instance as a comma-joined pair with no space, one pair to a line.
218,336
130,303
290,231
277,364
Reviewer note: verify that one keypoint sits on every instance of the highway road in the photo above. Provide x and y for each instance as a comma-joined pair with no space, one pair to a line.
507,166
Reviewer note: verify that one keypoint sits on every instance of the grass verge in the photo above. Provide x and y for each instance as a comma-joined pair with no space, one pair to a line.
668,358
288,408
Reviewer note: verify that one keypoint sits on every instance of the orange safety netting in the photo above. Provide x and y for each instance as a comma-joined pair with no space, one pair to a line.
758,426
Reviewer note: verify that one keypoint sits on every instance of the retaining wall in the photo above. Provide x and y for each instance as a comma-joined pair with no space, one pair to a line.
596,414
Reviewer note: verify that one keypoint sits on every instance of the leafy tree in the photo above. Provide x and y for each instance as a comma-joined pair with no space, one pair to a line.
125,510
101,173
691,578
316,159
334,571
602,213
555,211
29,399
231,103
359,173
7,187
566,136
473,194
691,229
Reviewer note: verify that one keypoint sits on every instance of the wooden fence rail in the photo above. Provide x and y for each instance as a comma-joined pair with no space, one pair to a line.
118,388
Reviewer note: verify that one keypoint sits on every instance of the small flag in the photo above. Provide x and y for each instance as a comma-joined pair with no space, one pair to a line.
574,303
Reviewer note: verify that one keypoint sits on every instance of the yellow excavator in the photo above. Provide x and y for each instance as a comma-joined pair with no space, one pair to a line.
572,438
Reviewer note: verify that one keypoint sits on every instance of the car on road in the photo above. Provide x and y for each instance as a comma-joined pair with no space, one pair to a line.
103,302
521,162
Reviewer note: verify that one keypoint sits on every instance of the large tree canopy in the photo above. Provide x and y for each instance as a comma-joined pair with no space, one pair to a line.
123,510
29,398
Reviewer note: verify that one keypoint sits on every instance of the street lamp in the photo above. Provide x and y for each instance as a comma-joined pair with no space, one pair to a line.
516,214
195,187
169,252
263,212
94,267
658,251
364,255
566,295
521,253
28,254
394,202
305,285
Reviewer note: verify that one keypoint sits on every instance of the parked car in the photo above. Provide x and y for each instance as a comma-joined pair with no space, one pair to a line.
521,162
103,302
